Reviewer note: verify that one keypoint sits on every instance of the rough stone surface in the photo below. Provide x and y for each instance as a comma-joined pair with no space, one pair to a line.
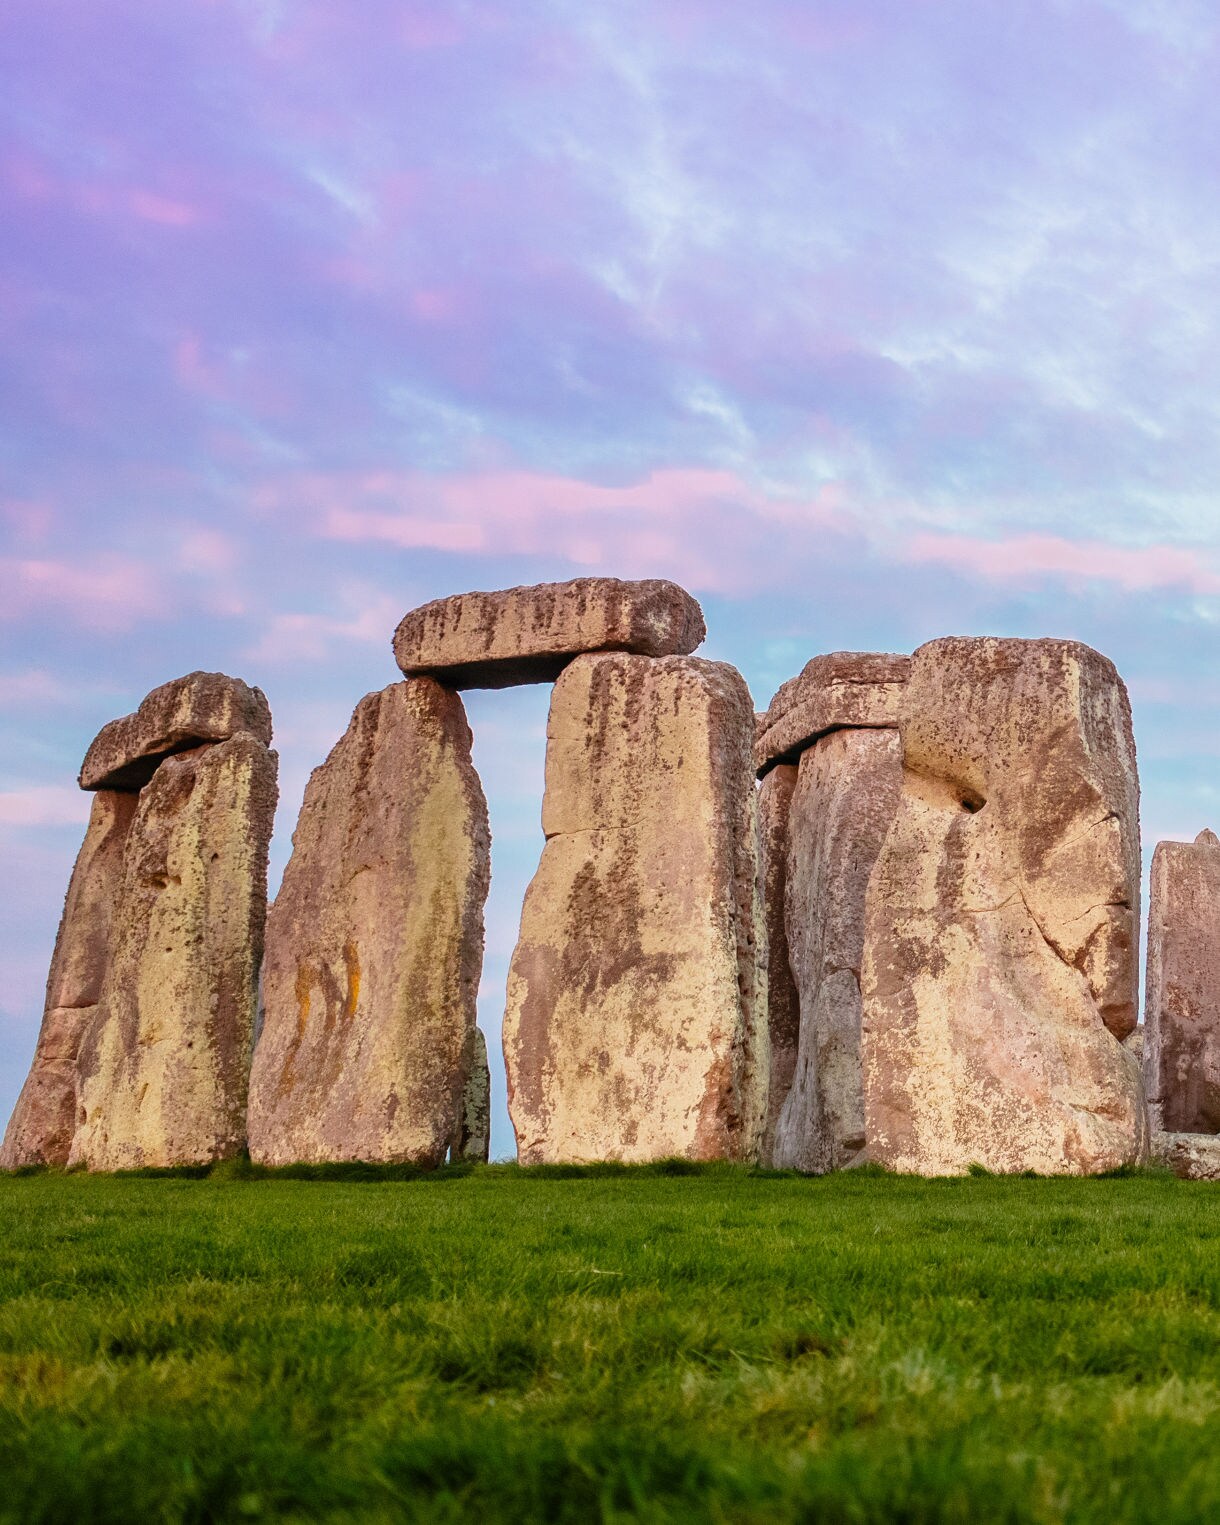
44,1119
846,799
203,706
783,1003
1002,919
529,635
164,1063
1191,1156
375,943
1182,1008
844,688
472,1136
636,1023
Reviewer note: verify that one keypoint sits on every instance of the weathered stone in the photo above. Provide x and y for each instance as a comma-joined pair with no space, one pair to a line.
1191,1156
203,706
1182,1008
845,688
164,1062
783,1003
44,1119
845,802
636,1024
1001,928
529,635
375,943
472,1136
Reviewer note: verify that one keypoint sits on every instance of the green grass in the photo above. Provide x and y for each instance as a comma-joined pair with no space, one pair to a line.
709,1345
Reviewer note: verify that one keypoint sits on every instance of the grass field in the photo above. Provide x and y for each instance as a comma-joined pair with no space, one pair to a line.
506,1345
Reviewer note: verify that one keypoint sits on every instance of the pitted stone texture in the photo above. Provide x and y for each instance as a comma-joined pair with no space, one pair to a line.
472,1137
203,706
1001,927
164,1064
783,1003
845,688
375,943
1191,1156
1182,1009
636,1021
44,1119
845,802
529,635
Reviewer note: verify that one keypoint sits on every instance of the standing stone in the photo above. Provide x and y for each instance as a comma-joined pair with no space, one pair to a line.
529,635
1182,1009
783,1002
845,802
1002,919
163,1065
636,1023
472,1137
202,707
44,1119
375,943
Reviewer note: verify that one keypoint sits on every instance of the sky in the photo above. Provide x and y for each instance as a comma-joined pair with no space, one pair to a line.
868,321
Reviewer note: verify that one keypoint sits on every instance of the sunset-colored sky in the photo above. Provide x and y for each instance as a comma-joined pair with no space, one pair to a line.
867,320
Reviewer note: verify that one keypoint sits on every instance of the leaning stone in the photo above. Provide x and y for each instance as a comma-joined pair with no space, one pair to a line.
164,1063
529,635
1182,1005
845,802
636,1021
1002,919
375,943
472,1137
845,688
203,706
1191,1156
783,1002
44,1119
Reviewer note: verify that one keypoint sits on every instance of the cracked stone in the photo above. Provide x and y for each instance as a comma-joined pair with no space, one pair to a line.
995,1036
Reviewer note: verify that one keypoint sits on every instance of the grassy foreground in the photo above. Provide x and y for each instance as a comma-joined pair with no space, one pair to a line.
507,1345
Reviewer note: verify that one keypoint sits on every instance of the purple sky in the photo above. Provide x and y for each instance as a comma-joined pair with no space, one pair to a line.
867,321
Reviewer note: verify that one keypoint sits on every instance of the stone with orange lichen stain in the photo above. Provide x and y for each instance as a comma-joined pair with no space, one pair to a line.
375,943
1002,917
164,1063
636,1020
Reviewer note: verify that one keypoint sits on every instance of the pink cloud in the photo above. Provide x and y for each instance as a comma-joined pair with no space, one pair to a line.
44,805
681,523
291,638
1024,558
166,211
110,593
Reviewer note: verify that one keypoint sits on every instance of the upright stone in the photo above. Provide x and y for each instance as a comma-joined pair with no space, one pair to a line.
845,802
843,689
44,1119
1182,1008
1002,919
529,635
472,1137
202,707
164,1063
375,943
783,1003
636,1023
